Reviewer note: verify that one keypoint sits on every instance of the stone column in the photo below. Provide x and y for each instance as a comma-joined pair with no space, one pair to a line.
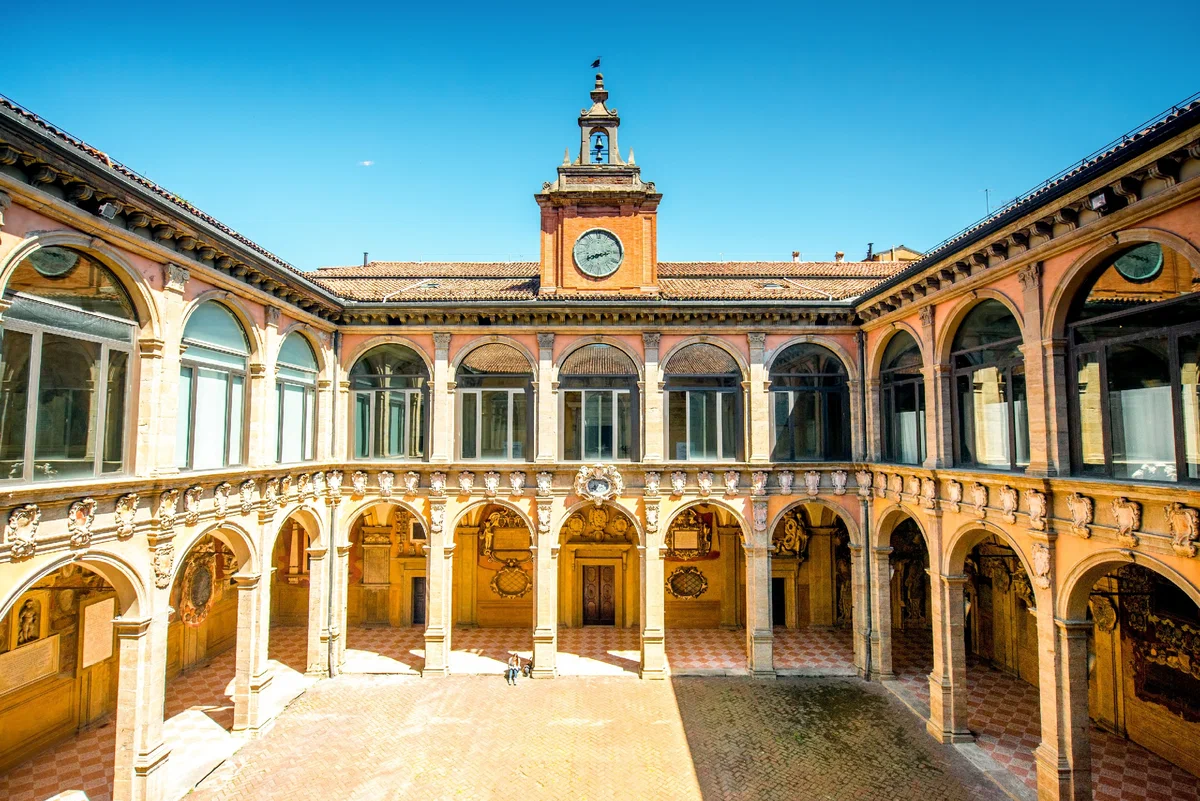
759,415
948,681
934,411
875,422
325,447
547,406
860,613
942,422
318,612
443,401
1064,758
438,593
141,753
654,657
158,398
652,401
1058,456
263,443
856,421
1037,400
251,674
545,589
760,639
881,613
255,444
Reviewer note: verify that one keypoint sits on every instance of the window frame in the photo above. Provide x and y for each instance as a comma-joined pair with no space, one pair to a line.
33,388
372,400
822,392
888,385
1100,347
311,401
196,365
510,440
680,384
1006,367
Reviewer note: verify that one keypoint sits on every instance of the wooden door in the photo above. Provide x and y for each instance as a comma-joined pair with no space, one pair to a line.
599,596
778,601
418,600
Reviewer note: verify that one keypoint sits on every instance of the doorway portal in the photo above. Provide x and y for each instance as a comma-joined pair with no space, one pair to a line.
599,596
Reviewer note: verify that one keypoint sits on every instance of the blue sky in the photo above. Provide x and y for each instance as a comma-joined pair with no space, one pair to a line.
767,128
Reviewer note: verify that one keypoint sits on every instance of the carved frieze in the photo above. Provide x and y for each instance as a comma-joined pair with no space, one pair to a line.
466,482
285,489
1104,614
1042,564
1008,504
704,480
786,478
191,504
437,483
246,495
1035,501
864,478
895,484
690,535
928,493
358,483
651,483
271,493
304,487
221,497
1183,524
732,479
839,481
80,517
1082,514
20,533
162,559
165,513
597,524
812,483
979,498
545,483
126,511
386,481
954,495
320,485
491,483
598,483
1128,517
333,485
411,481
758,483
516,482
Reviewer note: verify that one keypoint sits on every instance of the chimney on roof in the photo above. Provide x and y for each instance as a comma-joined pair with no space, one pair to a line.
839,256
795,257
364,258
870,251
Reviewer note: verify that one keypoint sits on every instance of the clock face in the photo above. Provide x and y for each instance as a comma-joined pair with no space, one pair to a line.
1143,263
598,486
598,253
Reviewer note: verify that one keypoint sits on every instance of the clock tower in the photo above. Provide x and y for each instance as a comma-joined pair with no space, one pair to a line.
599,219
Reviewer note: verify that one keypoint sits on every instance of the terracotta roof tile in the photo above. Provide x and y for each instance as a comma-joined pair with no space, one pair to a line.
431,289
432,269
682,269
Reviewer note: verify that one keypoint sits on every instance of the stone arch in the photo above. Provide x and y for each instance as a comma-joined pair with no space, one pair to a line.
1073,596
875,359
478,342
140,291
945,337
704,339
369,344
601,339
235,305
852,527
232,535
311,520
132,597
310,335
830,344
354,513
1065,290
638,529
891,518
971,534
737,514
497,501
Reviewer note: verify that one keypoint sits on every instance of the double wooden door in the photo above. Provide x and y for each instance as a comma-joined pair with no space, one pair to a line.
599,595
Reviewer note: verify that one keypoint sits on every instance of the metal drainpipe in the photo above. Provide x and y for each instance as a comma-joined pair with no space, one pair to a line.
331,548
861,338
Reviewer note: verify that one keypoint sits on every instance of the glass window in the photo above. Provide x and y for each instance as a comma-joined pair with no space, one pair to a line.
390,384
902,401
212,418
703,385
494,381
295,399
990,414
598,383
1133,329
67,342
811,399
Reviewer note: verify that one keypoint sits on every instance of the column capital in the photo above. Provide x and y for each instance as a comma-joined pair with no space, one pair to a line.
650,340
247,582
1074,628
545,340
441,340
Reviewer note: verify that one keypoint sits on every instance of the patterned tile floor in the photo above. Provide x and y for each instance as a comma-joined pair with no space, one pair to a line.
700,652
815,651
599,651
1003,712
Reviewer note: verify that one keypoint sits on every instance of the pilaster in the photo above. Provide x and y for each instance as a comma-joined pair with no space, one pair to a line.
1038,402
545,588
760,640
251,675
881,614
758,401
547,407
318,612
654,657
443,401
439,572
948,681
652,399
141,752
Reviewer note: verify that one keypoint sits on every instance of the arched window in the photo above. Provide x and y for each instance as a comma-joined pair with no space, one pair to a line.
598,387
390,384
703,404
494,385
902,398
810,405
64,368
210,429
295,400
1134,333
991,423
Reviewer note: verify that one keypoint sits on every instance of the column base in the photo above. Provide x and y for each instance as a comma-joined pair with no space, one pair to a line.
946,737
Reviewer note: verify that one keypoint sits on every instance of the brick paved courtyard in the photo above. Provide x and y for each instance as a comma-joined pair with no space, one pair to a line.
394,737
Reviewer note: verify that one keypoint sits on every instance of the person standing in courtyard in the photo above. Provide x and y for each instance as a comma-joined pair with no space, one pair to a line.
514,667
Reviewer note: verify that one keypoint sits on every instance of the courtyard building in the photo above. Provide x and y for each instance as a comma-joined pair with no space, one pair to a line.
971,475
